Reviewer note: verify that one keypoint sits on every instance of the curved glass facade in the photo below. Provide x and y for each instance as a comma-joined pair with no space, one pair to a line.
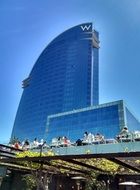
64,78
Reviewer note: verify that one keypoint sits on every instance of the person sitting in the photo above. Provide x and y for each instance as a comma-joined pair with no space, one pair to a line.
65,141
124,132
85,134
59,141
26,145
35,142
90,138
79,142
41,142
85,139
99,138
17,145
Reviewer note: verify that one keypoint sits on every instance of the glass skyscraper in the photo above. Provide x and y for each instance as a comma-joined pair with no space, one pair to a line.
64,78
61,94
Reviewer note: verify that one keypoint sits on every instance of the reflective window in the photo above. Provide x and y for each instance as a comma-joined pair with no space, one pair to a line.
104,120
59,81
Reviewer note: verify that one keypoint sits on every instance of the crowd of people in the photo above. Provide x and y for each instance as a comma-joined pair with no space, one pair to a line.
60,141
88,138
26,144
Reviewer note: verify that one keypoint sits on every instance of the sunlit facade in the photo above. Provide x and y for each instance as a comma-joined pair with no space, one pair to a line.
106,119
64,78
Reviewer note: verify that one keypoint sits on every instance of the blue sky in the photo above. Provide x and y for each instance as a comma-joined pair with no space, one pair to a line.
27,26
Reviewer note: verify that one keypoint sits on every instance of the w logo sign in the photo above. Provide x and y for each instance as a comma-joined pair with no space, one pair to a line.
85,27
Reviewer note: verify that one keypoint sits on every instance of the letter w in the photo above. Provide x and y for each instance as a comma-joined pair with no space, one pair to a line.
85,27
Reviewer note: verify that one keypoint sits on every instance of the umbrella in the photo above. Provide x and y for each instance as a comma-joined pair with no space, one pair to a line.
129,183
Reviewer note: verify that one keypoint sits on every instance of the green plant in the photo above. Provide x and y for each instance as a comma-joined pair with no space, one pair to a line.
93,183
30,181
